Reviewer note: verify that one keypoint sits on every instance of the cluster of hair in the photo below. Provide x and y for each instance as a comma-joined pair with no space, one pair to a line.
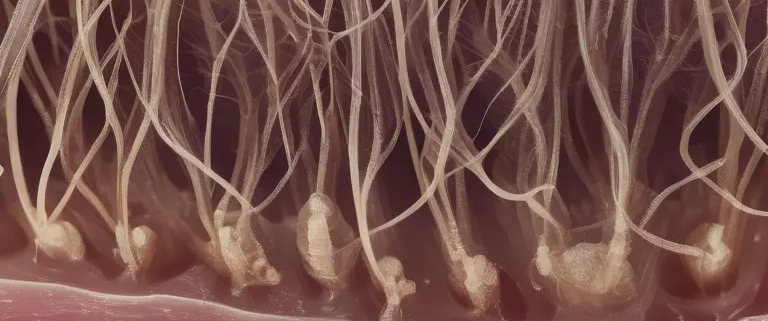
603,130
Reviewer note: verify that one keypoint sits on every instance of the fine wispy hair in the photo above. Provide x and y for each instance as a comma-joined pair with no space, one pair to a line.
391,159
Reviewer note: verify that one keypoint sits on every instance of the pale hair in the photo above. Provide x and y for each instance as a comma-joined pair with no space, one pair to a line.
592,125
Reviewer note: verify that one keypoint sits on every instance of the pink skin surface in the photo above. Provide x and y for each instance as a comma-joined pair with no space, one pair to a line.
22,300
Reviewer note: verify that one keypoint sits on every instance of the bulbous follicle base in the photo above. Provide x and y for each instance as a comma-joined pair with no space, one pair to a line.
477,281
61,241
717,261
144,244
579,277
246,260
395,287
138,250
322,234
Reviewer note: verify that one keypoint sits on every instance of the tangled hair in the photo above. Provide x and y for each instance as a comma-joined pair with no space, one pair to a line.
385,159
